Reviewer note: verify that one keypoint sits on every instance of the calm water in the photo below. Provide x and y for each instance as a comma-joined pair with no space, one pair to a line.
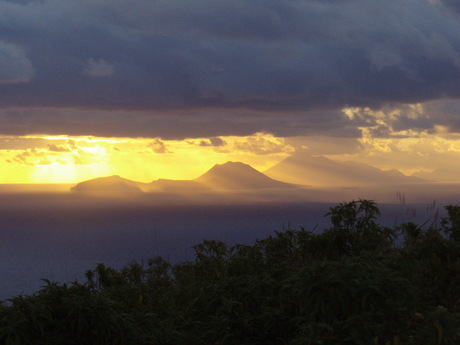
59,238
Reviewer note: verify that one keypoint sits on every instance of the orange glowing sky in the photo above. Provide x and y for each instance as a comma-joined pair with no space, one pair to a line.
65,159
167,89
62,159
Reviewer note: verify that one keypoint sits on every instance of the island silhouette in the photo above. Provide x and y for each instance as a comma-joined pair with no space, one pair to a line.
297,171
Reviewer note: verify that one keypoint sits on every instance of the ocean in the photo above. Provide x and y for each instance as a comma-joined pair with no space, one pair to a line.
60,236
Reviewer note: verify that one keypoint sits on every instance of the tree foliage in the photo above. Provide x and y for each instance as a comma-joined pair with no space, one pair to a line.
355,283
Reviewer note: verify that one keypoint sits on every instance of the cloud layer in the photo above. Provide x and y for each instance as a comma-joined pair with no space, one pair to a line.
15,67
219,67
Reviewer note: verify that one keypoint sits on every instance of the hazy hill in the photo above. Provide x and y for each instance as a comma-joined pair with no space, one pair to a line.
236,175
321,171
109,184
228,176
440,175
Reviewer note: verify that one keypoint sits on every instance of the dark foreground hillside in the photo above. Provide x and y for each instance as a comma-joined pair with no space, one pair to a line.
355,283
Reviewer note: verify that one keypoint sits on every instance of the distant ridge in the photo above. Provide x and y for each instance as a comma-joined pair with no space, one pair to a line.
444,175
306,169
221,177
109,184
237,175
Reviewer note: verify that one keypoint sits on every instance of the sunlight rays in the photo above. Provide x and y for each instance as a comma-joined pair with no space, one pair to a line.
65,159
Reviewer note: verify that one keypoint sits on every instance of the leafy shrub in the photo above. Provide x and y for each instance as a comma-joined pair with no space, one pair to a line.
354,283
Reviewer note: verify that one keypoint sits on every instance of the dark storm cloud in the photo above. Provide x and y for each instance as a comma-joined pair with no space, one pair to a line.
454,4
292,63
447,114
174,126
15,67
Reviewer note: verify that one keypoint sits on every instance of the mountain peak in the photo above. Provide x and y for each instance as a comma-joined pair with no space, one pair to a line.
237,175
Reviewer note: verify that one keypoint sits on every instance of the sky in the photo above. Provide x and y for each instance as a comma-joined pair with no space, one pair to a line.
153,89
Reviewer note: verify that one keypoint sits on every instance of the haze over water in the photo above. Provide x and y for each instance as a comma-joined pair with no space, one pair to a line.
59,235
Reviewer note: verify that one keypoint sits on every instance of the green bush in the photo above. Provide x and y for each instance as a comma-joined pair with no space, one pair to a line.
355,283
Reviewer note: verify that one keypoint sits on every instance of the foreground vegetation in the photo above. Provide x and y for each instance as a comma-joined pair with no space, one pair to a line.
355,283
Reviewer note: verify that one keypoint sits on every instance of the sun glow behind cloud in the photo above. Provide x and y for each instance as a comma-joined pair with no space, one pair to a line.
174,70
64,159
404,139
401,137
